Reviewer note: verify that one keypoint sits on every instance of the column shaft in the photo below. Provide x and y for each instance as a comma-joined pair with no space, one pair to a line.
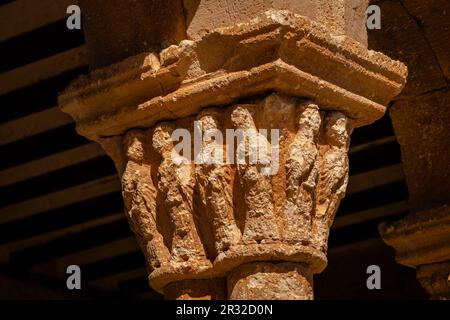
202,289
270,281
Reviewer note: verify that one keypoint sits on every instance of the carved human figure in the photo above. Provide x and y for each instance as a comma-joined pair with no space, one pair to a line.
214,183
176,184
260,221
139,196
302,173
333,177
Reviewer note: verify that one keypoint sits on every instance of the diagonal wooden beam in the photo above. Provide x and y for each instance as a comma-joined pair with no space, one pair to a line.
375,178
115,248
22,16
8,248
111,282
42,69
50,163
370,214
60,199
33,124
371,144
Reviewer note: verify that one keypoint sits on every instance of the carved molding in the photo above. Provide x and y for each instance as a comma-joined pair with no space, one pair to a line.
277,51
421,238
435,279
422,241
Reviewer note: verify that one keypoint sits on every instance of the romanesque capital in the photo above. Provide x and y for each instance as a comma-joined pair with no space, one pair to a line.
213,220
422,241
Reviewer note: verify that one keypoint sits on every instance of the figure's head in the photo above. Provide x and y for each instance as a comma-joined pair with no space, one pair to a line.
135,144
242,117
209,119
162,138
309,118
337,129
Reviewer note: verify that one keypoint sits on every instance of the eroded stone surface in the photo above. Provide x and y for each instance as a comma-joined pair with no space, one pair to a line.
157,24
435,278
270,281
340,16
199,223
203,289
203,220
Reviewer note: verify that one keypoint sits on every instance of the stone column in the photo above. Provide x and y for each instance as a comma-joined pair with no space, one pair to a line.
251,225
422,238
422,241
420,117
270,281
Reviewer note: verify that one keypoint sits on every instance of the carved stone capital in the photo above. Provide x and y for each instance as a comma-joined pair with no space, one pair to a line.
435,279
422,241
203,220
206,220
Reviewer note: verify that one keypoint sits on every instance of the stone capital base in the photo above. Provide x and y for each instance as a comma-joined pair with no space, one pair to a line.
270,281
201,289
422,241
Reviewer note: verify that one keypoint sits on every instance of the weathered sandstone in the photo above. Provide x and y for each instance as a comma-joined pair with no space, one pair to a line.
203,224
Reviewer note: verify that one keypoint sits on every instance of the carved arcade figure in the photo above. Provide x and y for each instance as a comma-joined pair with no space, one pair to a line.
260,222
139,196
215,188
333,177
176,184
302,172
